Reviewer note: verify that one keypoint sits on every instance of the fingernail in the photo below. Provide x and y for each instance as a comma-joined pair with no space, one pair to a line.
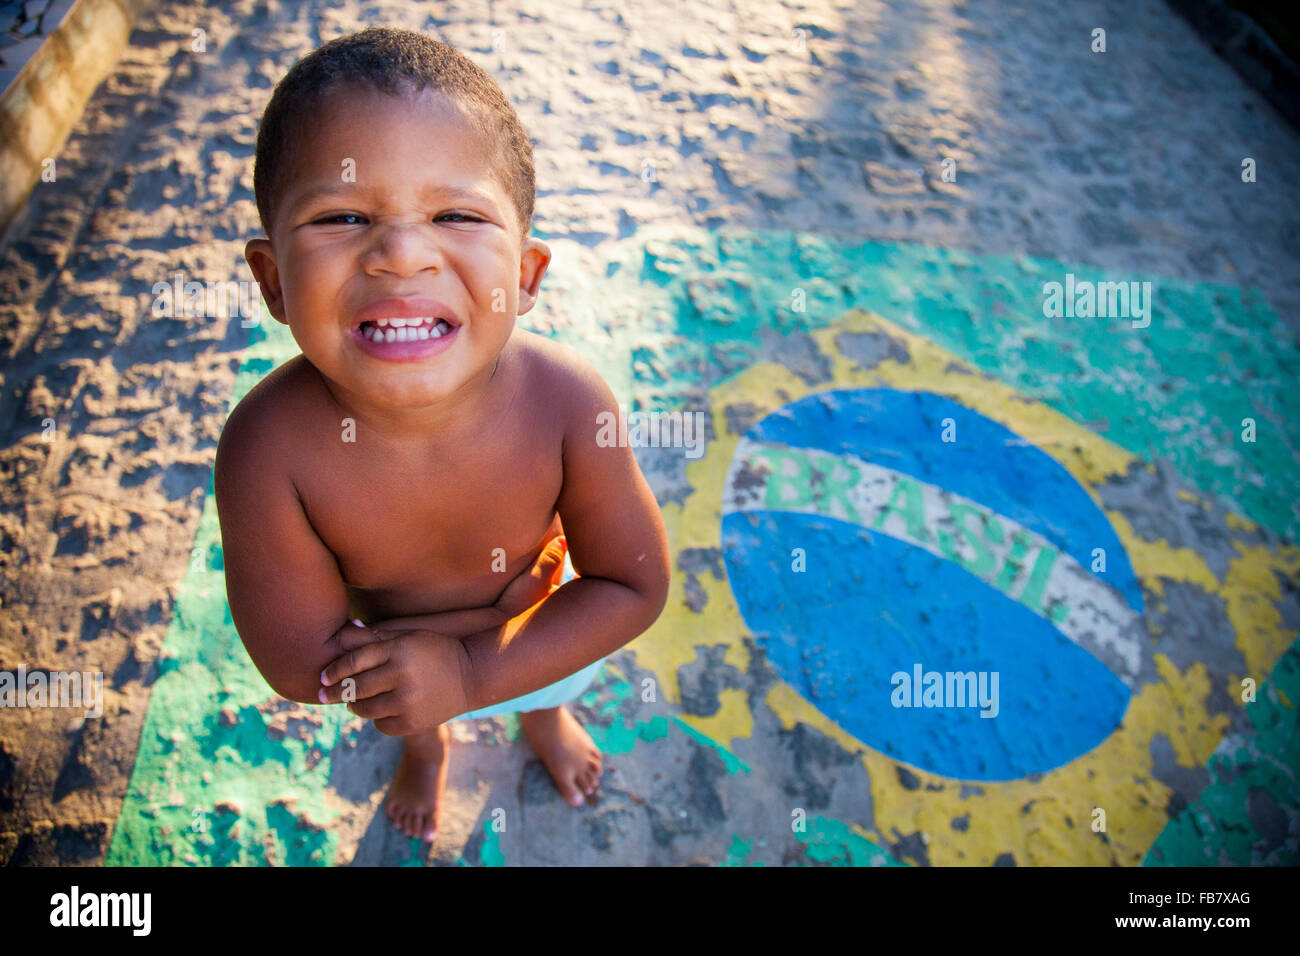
357,622
321,695
323,680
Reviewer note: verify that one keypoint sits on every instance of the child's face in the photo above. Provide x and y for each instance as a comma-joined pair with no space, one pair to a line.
370,226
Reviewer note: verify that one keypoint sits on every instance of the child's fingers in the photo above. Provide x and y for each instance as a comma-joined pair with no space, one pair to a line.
355,661
561,546
358,635
394,726
389,628
535,583
383,706
548,569
366,685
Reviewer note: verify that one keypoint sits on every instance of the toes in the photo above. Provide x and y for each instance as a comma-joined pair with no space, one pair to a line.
415,823
586,781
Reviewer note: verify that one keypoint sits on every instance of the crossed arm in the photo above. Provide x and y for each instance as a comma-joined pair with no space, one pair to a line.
619,550
289,603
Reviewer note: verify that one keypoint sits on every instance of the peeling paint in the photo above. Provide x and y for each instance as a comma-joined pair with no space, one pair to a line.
839,844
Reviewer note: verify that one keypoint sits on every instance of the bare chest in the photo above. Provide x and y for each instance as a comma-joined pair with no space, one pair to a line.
434,532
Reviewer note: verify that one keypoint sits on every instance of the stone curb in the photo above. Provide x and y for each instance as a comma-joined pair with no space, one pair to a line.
41,105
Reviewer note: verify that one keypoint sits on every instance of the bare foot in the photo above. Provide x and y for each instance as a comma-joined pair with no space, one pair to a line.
415,798
566,749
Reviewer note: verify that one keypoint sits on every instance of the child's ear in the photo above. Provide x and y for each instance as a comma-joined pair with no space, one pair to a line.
534,257
261,259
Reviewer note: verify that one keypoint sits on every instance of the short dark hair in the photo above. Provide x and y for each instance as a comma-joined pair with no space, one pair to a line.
396,62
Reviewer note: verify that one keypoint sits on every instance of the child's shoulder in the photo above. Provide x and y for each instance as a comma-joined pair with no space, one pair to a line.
275,408
560,371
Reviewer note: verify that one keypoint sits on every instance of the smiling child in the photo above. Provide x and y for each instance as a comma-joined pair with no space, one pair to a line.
415,467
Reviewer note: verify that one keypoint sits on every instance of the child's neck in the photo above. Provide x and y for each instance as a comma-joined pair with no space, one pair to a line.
460,418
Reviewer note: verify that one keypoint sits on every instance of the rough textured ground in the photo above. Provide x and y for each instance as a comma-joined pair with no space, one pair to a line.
693,172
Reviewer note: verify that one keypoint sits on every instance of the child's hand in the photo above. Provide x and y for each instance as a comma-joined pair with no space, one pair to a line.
405,681
535,584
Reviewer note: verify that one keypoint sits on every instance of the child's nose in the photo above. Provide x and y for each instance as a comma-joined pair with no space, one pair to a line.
404,248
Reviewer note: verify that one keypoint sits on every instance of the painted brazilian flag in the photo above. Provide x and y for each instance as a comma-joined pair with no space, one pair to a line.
1033,571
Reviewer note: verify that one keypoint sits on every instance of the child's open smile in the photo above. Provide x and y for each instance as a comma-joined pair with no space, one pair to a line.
398,259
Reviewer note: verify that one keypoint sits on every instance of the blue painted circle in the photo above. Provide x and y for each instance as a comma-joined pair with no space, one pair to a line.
869,605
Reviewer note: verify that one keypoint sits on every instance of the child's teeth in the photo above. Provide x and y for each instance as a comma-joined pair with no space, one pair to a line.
406,330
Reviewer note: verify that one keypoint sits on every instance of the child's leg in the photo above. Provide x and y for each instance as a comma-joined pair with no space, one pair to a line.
566,749
415,798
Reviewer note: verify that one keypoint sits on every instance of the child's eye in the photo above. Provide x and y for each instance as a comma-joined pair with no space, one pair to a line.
460,215
341,216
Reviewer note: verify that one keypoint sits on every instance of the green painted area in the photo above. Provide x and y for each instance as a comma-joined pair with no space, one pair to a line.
619,738
733,763
250,788
513,728
827,840
1258,772
738,851
685,299
605,699
491,854
217,779
617,690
